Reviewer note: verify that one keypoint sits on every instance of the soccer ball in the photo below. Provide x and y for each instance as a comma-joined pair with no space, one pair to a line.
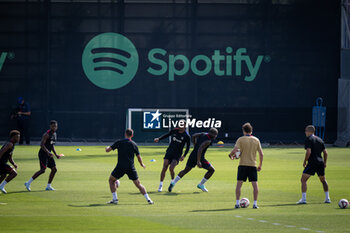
238,154
343,203
244,203
117,183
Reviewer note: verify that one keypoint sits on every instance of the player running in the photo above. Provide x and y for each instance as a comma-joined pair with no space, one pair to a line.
248,145
179,137
313,163
46,156
127,149
6,156
201,143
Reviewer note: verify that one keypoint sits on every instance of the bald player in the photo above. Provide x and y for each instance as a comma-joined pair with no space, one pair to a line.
248,146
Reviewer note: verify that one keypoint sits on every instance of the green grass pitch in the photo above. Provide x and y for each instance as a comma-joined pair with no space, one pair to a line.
78,204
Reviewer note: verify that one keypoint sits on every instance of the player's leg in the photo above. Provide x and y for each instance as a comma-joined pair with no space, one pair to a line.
12,174
303,180
238,192
162,174
173,164
142,190
242,175
255,194
210,171
52,165
178,177
325,189
2,177
253,178
43,160
52,175
113,179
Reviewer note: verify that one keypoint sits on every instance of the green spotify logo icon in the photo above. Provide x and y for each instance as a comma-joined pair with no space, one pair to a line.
110,60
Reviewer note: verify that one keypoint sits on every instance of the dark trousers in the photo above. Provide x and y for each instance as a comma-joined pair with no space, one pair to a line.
23,127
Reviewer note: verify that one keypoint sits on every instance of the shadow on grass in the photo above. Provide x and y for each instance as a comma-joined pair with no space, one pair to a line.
166,193
25,191
289,204
213,210
101,205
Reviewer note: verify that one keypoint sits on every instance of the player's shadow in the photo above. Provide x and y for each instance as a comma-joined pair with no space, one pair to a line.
25,191
167,193
105,204
213,210
287,204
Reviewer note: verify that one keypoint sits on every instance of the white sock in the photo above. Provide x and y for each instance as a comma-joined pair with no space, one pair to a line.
115,197
255,203
327,195
177,178
30,180
3,184
303,196
48,185
237,202
161,184
147,197
203,181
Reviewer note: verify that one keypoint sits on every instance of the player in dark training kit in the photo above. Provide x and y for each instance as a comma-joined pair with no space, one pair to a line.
6,156
314,163
179,137
201,143
127,149
46,156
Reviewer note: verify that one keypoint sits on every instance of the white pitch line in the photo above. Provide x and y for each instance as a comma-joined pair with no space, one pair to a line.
263,221
290,226
276,224
320,231
304,228
250,218
238,216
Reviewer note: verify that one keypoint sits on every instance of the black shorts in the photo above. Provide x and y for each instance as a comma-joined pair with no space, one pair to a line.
192,162
249,172
120,172
46,161
171,157
5,169
311,169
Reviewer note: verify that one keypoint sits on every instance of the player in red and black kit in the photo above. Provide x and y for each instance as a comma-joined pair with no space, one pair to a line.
314,163
127,149
179,137
46,156
201,143
6,156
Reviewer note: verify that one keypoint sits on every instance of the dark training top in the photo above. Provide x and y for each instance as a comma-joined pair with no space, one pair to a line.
50,142
6,156
127,149
23,108
202,138
177,142
317,146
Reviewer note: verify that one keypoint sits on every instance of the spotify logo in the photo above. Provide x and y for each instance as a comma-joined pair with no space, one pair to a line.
110,60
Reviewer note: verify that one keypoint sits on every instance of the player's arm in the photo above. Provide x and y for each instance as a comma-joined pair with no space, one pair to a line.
325,156
42,144
12,162
163,136
307,156
139,158
27,113
188,145
112,147
54,151
5,148
194,138
200,151
233,152
261,157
